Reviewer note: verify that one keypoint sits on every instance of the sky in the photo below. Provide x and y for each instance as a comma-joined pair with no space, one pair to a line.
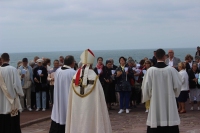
73,25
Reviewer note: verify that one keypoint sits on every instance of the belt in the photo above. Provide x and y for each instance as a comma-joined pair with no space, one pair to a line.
88,81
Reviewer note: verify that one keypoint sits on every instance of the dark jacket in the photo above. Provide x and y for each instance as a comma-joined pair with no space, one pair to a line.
101,78
123,80
191,75
43,84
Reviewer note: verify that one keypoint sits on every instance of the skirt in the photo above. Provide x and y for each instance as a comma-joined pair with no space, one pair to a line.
183,96
10,124
57,128
166,129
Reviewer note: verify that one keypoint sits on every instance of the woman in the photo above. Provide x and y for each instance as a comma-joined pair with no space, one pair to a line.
40,78
99,67
138,82
51,78
123,85
134,92
109,94
147,64
184,89
194,85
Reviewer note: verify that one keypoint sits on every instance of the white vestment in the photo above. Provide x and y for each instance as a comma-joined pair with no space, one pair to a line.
87,114
62,83
161,86
13,84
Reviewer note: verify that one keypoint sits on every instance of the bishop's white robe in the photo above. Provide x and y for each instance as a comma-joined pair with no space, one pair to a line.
62,83
87,114
161,86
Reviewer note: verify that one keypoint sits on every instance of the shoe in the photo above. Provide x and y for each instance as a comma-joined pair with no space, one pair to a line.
147,111
120,111
191,108
29,109
198,108
37,109
43,109
181,112
127,111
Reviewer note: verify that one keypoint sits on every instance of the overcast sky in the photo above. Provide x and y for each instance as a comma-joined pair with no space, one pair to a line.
44,25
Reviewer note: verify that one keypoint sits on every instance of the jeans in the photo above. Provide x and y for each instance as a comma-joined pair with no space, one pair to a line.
124,99
38,102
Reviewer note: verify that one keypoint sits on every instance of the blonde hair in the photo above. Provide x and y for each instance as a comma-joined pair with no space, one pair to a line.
182,65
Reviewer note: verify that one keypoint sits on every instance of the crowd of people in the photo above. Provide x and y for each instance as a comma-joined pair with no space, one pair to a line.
122,85
37,78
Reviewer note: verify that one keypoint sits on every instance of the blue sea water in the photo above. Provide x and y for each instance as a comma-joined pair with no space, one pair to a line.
136,54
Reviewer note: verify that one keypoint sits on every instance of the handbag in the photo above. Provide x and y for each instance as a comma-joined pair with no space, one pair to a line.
123,86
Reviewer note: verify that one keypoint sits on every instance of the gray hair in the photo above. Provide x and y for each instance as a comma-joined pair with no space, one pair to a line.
31,63
131,61
19,63
111,60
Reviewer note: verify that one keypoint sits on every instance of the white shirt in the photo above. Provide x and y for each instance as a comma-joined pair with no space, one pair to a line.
190,63
171,62
185,81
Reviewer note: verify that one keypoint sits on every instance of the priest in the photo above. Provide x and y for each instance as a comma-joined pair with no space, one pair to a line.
87,110
10,90
161,85
63,77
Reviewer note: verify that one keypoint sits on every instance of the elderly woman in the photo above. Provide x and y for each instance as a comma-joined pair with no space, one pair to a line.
51,78
194,85
147,64
108,92
123,85
184,89
40,77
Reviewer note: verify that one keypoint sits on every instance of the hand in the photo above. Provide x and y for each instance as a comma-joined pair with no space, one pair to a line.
126,72
119,73
52,79
22,76
41,75
195,80
35,79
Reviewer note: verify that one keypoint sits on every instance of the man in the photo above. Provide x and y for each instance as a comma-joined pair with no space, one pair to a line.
87,110
26,75
35,60
198,51
10,90
63,77
0,61
154,60
61,60
161,84
172,61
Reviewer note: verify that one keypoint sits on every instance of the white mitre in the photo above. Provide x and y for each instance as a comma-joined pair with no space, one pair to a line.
87,58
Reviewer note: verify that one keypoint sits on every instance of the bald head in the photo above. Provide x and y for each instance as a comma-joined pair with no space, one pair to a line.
171,54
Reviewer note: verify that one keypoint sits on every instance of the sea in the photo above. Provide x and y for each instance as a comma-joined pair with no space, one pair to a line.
136,54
